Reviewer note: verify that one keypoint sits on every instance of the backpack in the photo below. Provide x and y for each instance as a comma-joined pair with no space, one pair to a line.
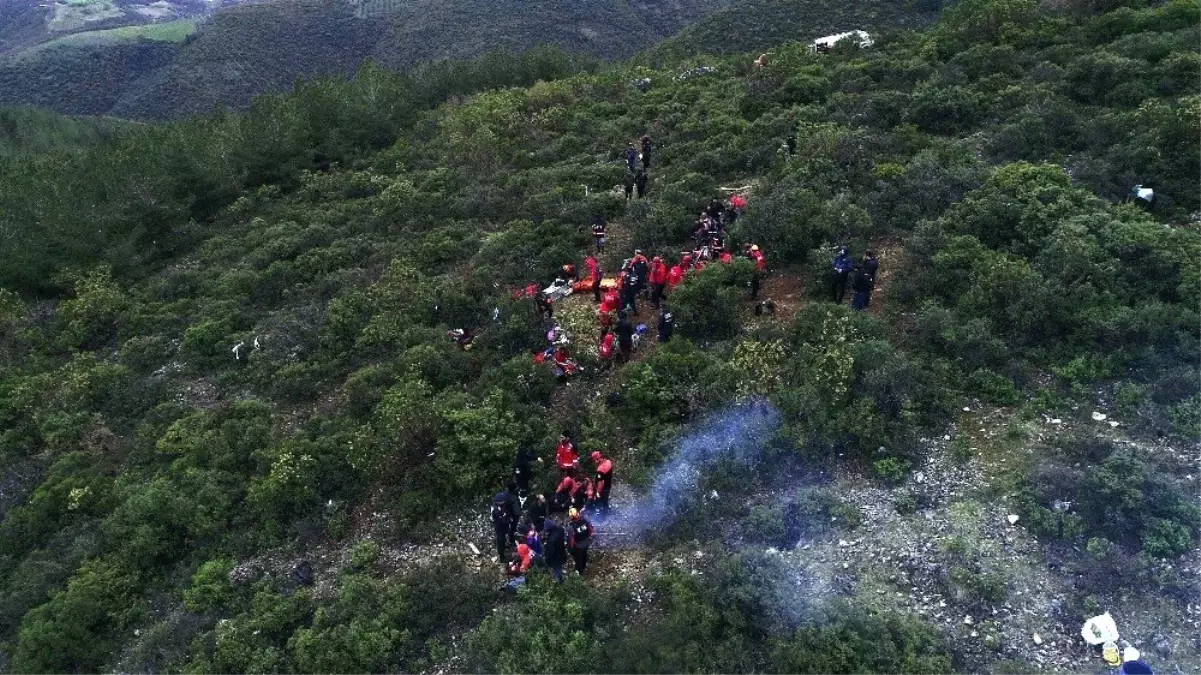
500,510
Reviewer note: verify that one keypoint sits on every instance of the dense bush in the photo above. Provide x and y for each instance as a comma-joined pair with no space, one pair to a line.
340,231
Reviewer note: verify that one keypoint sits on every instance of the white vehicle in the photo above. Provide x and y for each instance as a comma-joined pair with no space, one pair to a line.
825,44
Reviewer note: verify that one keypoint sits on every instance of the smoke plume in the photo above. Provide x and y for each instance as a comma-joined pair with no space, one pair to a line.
739,434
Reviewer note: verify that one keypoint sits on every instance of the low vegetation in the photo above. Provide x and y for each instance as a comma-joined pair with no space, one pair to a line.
338,231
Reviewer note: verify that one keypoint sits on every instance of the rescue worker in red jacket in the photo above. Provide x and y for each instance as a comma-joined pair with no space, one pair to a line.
583,493
674,276
603,482
521,563
658,280
594,274
566,457
519,566
564,493
579,539
605,352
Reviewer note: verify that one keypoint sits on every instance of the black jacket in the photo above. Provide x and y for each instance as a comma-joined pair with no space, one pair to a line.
554,544
625,334
667,323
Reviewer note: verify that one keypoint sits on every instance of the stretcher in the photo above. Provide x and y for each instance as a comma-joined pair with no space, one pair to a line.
584,285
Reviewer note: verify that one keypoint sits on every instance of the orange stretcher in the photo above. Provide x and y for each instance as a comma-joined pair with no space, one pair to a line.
586,284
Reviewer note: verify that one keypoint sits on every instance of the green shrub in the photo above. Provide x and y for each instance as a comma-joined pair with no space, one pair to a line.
892,470
993,387
210,589
847,640
705,308
765,523
78,629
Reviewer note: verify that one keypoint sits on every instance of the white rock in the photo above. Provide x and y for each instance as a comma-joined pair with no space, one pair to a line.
966,409
1013,519
1099,417
843,542
1056,420
1038,639
967,620
975,634
1113,424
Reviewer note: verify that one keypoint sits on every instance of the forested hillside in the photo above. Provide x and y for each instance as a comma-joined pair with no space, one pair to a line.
751,25
235,436
246,50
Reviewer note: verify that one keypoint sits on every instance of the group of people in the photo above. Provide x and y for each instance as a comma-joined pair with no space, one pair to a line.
641,278
637,176
860,275
527,527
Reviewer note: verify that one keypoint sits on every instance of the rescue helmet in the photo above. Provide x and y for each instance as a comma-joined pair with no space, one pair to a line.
573,513
754,247
596,456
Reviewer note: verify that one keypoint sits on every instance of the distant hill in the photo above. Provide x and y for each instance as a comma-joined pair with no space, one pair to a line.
245,50
751,25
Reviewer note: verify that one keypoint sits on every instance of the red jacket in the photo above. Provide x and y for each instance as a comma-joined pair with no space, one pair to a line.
675,276
593,268
727,257
606,346
760,260
566,456
609,302
566,486
525,558
658,273
604,473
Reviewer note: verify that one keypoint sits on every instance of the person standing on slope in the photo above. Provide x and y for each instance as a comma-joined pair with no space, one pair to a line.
631,158
595,276
598,232
554,547
842,264
566,457
603,483
579,539
667,324
658,276
505,510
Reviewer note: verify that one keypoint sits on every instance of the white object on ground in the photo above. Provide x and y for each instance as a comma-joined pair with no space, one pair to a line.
1038,640
1013,519
1099,417
1130,654
826,43
1099,630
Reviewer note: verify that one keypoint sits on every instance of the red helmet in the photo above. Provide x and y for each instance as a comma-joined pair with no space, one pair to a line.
596,456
